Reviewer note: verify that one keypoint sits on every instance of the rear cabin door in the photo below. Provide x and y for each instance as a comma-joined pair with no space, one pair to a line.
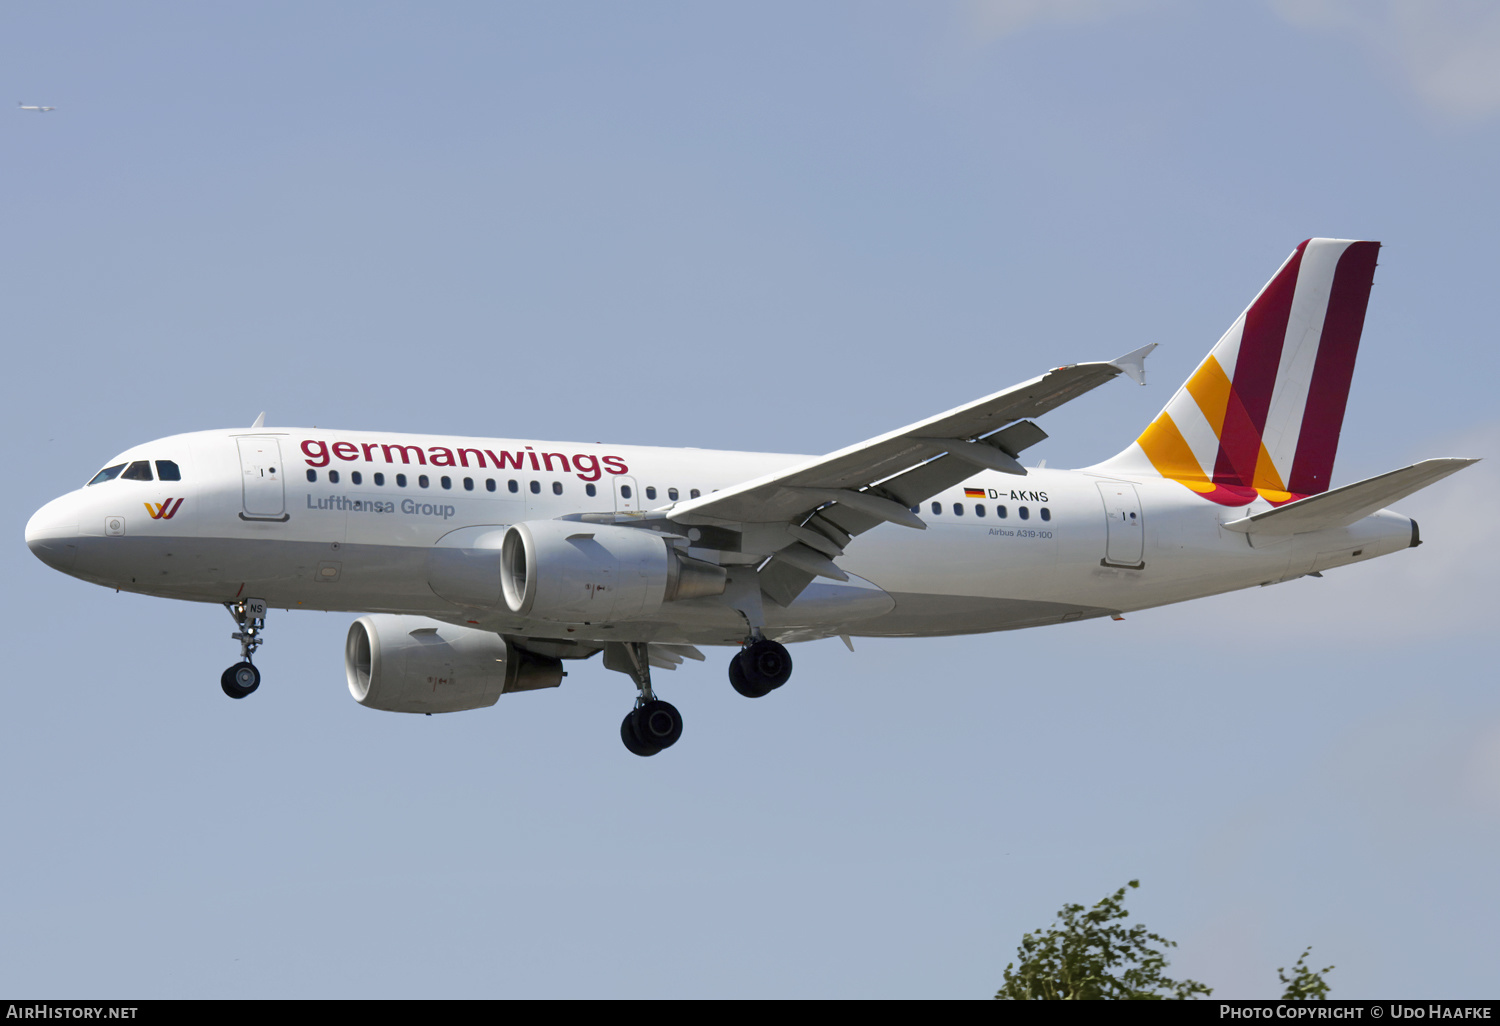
1125,544
260,466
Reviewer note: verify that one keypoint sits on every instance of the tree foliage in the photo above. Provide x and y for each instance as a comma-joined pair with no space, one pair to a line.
1304,984
1091,955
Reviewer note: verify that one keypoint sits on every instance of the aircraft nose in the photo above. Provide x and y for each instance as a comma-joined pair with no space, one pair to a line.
52,535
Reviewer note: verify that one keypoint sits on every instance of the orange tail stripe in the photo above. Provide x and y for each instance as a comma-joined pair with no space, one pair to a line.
1209,386
1169,452
1266,477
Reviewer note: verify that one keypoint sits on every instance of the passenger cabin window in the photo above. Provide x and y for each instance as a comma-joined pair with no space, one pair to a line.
166,470
651,491
108,474
489,484
672,494
591,490
513,486
624,491
1046,513
140,470
446,482
556,487
937,507
978,510
379,478
694,494
1000,512
333,477
1023,512
958,509
312,475
468,484
536,488
356,477
400,480
421,480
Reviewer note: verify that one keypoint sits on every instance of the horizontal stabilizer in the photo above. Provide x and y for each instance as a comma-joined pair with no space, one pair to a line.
1343,506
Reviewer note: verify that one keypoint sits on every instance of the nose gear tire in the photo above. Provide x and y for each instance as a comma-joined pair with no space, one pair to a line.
240,680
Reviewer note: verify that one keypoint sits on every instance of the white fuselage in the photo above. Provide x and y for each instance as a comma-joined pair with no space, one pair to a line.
318,519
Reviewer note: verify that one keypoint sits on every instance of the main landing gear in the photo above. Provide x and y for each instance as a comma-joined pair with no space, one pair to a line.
760,667
242,678
653,724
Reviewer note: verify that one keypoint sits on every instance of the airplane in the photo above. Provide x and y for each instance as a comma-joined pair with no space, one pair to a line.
484,566
40,110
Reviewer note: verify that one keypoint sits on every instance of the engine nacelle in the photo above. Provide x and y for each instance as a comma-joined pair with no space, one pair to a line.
417,665
571,572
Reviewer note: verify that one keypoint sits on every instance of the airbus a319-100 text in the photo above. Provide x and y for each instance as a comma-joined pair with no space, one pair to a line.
484,566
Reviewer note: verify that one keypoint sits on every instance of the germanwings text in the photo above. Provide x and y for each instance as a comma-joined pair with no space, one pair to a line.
319,453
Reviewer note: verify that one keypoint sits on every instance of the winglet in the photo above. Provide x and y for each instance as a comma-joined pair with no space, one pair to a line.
260,421
1133,363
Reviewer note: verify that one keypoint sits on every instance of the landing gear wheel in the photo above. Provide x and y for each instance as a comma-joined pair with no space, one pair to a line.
632,740
760,669
658,724
739,683
240,680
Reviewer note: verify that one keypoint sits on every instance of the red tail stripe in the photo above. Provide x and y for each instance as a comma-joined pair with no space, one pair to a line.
1255,374
1328,394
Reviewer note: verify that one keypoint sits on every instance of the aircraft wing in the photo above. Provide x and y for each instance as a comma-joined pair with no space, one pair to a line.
806,514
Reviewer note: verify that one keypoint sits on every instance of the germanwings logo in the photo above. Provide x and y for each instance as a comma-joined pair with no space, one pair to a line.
163,510
1262,414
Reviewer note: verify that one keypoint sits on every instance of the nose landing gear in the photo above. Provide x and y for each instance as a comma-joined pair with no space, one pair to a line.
242,678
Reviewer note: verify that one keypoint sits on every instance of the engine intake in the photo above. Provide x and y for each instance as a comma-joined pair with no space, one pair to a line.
570,572
417,665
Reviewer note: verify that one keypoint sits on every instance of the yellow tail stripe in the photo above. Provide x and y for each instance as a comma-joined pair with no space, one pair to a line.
1266,477
1170,454
1209,386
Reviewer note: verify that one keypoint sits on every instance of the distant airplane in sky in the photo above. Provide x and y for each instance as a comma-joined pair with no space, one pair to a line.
39,110
490,564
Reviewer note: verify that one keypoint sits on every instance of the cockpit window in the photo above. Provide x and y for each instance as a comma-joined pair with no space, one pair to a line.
140,470
108,473
166,470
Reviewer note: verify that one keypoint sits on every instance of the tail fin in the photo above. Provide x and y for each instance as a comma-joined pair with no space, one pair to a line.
1262,413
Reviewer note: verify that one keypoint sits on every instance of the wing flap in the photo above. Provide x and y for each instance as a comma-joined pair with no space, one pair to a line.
1343,506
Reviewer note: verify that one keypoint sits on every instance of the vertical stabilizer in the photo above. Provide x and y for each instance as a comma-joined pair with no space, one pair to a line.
1262,413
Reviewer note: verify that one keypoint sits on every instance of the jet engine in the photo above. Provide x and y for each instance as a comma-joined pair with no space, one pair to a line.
572,572
417,665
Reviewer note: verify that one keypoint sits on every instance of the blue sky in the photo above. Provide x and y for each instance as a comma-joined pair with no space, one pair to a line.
782,227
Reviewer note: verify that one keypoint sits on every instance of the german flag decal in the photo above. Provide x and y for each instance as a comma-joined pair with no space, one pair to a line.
973,493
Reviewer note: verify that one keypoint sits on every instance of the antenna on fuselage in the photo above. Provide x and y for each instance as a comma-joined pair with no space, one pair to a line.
260,421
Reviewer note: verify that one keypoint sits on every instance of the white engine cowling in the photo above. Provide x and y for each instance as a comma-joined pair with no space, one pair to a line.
571,572
417,665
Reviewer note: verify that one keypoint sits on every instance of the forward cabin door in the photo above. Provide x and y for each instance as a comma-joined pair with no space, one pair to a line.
1125,542
262,472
